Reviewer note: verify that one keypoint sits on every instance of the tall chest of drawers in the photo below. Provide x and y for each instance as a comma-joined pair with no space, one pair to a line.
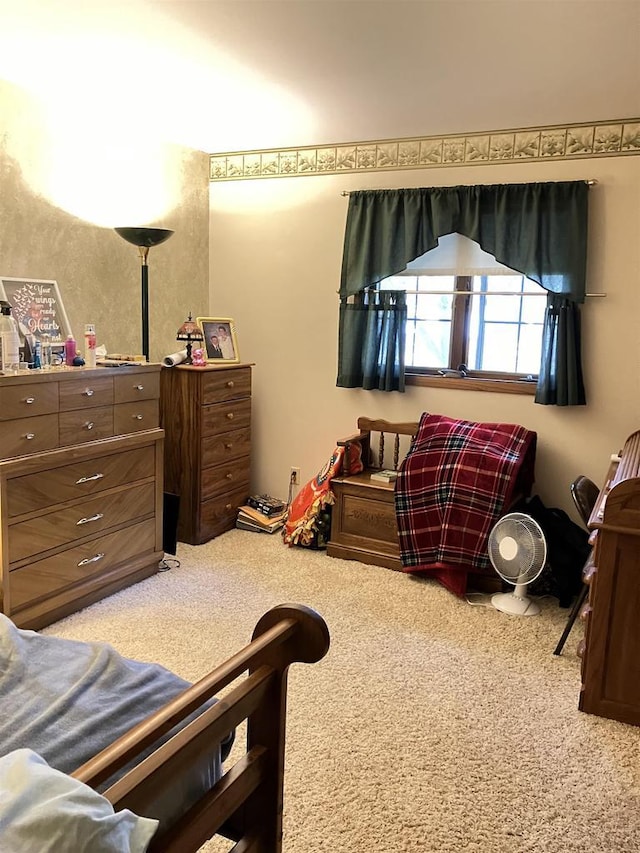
81,482
206,415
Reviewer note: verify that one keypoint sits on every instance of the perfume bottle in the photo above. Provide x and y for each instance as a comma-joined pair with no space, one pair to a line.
69,351
90,345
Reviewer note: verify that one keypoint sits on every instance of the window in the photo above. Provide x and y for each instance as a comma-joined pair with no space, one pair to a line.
488,322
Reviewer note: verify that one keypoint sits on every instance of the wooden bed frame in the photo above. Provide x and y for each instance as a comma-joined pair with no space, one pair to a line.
245,805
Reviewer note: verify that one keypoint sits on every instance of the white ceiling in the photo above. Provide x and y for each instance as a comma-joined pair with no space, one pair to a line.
242,75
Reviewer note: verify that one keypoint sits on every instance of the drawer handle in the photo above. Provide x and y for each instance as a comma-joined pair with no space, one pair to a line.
138,417
228,507
229,476
230,383
230,416
88,425
88,560
30,435
30,400
88,479
228,445
95,517
88,392
138,387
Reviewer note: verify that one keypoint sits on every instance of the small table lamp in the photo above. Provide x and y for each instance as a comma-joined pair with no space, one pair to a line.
191,333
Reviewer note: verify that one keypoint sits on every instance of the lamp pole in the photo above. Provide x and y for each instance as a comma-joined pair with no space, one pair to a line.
144,269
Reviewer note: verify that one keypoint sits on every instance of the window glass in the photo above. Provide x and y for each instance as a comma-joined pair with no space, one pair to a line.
491,322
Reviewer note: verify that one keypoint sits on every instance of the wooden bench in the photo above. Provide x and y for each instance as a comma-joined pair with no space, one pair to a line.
363,519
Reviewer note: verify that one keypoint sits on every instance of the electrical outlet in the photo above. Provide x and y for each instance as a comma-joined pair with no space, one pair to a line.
294,477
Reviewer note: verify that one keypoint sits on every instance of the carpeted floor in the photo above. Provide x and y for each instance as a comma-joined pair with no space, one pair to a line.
431,725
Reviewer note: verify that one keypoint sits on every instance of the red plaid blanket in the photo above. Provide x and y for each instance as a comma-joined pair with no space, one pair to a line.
452,487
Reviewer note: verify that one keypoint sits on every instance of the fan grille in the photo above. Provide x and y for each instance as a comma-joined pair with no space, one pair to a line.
517,548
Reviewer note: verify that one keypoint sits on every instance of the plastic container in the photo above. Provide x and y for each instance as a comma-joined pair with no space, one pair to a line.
46,352
90,345
69,351
9,340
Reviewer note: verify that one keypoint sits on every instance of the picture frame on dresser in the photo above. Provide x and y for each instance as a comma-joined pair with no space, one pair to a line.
221,343
37,307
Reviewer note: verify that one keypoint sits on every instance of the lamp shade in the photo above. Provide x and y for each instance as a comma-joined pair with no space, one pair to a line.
146,237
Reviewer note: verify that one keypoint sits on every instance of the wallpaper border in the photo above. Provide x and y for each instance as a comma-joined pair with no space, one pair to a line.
557,142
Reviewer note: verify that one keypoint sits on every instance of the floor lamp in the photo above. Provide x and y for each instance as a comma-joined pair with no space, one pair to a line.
144,239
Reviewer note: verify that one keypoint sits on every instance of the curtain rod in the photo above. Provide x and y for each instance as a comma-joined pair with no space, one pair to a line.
484,293
589,183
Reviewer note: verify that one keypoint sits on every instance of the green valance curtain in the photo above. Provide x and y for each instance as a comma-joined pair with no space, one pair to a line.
537,229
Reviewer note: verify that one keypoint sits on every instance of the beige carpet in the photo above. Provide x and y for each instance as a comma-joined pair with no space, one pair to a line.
431,725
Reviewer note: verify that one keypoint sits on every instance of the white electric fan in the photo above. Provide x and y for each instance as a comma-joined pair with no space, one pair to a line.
518,553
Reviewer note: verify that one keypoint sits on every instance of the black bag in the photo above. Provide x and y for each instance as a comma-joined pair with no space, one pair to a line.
567,552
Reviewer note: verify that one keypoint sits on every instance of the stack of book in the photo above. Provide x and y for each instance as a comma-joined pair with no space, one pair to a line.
268,517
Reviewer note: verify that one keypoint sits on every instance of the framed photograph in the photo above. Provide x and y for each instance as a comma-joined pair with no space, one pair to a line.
220,340
37,308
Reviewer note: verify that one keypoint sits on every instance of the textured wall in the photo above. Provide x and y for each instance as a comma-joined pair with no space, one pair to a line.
99,273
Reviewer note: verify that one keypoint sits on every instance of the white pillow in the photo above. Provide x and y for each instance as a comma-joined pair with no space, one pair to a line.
45,810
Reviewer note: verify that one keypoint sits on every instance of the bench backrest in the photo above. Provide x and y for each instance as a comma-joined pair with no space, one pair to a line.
380,434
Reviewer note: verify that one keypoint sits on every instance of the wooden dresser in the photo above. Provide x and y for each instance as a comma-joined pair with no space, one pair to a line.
611,648
80,487
206,415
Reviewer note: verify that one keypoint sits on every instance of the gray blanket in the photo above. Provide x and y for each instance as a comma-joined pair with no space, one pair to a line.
68,700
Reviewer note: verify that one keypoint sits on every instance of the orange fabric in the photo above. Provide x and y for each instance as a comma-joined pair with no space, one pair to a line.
302,519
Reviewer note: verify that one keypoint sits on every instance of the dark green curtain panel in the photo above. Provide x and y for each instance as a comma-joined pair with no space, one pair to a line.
560,380
538,229
372,341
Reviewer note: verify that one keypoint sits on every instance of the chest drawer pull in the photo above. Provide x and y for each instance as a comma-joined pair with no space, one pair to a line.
138,417
88,560
88,479
30,400
228,445
138,387
229,476
30,435
88,392
230,383
230,416
95,517
88,425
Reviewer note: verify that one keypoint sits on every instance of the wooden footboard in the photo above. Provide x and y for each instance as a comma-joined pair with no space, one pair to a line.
245,805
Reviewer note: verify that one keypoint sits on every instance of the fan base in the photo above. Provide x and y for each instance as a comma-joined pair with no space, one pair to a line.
515,605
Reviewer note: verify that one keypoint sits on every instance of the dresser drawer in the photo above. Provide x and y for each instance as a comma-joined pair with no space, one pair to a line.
219,514
224,478
79,426
132,417
28,435
140,386
33,492
221,385
44,578
86,518
86,392
28,400
222,448
223,417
